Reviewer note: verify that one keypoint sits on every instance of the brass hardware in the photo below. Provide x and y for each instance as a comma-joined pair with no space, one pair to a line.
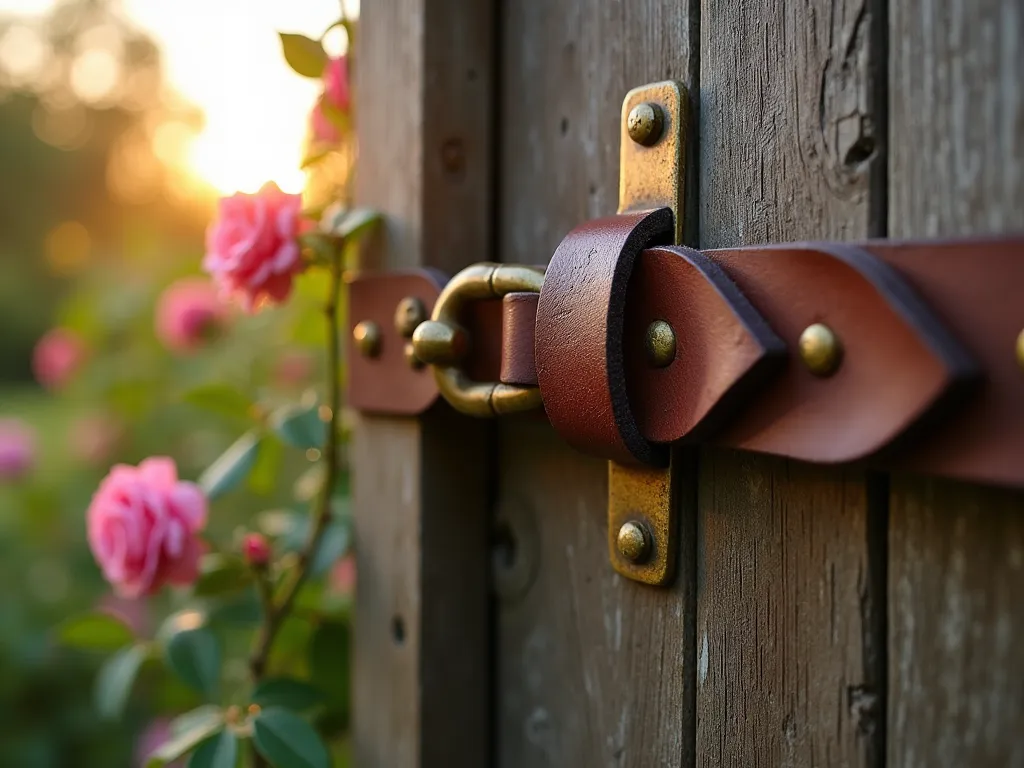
660,343
644,123
820,349
1020,349
409,351
409,313
641,501
442,342
367,337
632,542
653,176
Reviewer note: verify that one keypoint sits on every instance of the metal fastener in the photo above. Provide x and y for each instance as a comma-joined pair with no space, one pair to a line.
1020,349
644,123
660,343
634,544
410,356
820,349
409,313
367,337
439,343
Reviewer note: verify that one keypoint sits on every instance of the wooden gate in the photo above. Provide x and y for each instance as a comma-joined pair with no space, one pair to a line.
820,616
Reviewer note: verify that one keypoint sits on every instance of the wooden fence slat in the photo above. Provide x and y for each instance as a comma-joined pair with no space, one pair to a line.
956,571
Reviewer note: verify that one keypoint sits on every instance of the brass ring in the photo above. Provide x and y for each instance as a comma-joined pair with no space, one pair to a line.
441,341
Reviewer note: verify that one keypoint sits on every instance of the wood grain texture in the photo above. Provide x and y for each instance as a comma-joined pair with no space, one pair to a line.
593,670
956,573
421,651
790,599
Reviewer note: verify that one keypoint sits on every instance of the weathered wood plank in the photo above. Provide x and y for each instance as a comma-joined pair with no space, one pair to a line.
790,610
593,670
956,571
421,657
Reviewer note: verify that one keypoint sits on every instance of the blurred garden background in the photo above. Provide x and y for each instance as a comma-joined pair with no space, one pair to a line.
121,123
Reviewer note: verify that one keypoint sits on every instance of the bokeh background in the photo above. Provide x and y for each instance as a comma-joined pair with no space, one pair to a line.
121,123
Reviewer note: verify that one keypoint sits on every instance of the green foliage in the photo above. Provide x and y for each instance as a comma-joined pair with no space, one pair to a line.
232,467
304,55
116,678
200,727
95,631
329,652
287,693
194,655
221,399
221,575
220,751
299,427
288,741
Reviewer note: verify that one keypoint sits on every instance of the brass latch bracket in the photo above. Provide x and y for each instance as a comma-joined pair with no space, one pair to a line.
643,529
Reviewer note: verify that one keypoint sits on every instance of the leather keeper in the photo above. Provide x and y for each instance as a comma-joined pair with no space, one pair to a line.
518,329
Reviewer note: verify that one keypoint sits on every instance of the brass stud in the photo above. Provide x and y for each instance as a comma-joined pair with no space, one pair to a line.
1020,349
633,542
410,356
820,349
367,337
409,313
439,343
645,123
660,343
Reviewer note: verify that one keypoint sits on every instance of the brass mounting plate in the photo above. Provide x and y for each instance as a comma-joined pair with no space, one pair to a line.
650,176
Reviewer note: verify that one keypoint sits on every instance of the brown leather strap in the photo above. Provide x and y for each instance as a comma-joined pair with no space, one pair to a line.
518,328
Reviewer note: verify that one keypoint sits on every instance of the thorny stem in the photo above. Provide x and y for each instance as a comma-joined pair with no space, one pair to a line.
276,608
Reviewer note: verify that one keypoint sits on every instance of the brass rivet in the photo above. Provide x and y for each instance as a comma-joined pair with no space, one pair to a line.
409,313
410,357
1020,349
820,349
367,338
660,343
439,343
634,544
644,123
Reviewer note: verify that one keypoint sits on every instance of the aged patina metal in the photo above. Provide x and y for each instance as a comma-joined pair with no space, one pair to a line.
645,123
409,313
367,337
649,177
660,344
633,542
409,352
442,342
820,349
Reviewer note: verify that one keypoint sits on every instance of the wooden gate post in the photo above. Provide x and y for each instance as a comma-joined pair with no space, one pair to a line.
420,677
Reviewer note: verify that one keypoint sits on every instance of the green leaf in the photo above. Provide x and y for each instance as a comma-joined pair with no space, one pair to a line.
329,662
349,223
184,742
115,680
95,631
285,692
243,610
219,752
201,715
232,467
333,545
221,574
288,741
298,426
194,655
222,399
265,472
304,55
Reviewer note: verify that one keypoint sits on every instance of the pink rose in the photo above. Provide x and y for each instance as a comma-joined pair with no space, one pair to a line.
189,313
57,357
337,96
252,249
255,549
94,438
342,579
17,449
143,527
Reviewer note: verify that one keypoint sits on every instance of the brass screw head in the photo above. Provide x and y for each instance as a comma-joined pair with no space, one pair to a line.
820,349
438,343
367,337
660,343
633,542
410,356
1020,349
409,313
645,123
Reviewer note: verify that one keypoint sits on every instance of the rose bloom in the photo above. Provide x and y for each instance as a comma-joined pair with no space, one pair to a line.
17,449
342,579
143,527
337,95
57,357
188,314
252,249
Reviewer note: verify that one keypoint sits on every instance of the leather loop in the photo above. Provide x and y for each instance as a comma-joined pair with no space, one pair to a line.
518,327
580,323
